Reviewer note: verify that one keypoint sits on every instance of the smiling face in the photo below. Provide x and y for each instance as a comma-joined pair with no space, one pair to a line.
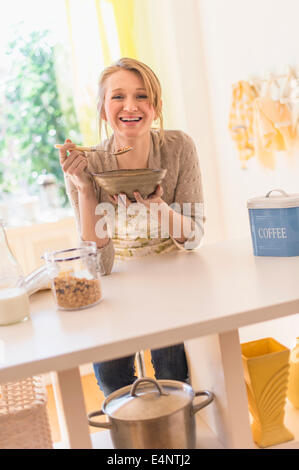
127,108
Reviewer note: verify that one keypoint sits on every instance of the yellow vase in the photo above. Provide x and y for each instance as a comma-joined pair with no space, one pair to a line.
293,388
266,369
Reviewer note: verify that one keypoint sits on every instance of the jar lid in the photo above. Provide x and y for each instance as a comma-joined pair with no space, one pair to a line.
148,399
70,254
282,200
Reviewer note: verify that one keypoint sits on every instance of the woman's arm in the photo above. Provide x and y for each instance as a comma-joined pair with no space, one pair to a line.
188,201
179,227
87,207
183,219
84,208
83,198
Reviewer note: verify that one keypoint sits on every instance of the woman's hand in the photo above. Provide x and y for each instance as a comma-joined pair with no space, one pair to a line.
74,166
155,197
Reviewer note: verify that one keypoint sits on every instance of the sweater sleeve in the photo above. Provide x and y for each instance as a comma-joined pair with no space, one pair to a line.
189,194
105,255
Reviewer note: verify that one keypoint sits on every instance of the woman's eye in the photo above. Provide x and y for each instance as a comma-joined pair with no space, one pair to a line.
139,97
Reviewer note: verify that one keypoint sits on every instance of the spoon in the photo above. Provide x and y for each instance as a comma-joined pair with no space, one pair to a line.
94,149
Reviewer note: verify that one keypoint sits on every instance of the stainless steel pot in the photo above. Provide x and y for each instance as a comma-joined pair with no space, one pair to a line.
159,416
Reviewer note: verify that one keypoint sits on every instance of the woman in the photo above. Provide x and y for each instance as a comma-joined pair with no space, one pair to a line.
129,101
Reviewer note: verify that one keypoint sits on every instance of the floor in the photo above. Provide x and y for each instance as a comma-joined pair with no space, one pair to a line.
93,398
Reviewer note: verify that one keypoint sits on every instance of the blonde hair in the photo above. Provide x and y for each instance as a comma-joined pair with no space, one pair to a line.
151,83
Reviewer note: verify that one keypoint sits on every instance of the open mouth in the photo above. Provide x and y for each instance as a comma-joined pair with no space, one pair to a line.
135,119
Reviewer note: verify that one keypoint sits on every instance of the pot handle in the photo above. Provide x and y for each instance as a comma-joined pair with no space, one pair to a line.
95,423
146,379
204,403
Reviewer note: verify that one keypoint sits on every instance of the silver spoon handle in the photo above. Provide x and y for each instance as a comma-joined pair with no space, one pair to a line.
83,149
95,149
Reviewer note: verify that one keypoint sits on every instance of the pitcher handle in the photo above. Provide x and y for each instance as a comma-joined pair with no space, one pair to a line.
210,395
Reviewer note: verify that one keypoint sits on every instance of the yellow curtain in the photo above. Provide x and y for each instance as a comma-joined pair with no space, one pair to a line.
87,60
100,32
124,13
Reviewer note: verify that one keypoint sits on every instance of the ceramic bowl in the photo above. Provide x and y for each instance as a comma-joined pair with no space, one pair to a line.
127,181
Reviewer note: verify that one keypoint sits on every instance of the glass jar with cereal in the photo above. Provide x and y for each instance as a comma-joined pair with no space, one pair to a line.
76,284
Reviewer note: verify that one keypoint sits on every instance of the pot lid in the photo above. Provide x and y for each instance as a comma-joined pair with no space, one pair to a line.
148,399
277,201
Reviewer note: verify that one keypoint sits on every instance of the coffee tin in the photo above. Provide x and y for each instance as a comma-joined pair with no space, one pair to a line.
274,224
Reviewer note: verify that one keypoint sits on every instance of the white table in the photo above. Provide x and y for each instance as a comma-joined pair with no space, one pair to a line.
154,302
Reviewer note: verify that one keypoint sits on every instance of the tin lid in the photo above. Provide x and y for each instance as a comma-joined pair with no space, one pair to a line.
278,201
148,399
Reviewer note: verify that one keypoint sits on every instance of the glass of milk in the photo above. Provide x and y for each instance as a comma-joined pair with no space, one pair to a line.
14,304
14,300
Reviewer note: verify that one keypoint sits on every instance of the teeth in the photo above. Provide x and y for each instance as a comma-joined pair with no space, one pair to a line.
130,119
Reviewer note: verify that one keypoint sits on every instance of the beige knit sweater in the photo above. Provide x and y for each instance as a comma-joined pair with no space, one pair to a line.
182,183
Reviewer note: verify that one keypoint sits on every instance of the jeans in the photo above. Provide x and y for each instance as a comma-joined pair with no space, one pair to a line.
168,363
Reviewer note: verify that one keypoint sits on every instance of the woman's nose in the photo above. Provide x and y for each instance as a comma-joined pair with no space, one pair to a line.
130,105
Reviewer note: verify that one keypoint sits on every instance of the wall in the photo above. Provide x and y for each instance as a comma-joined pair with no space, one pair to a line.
211,45
243,39
168,38
205,46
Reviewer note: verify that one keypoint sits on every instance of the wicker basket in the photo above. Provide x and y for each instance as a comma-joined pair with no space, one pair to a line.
24,422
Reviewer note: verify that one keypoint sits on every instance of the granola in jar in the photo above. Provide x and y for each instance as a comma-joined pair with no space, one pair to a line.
76,278
74,292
